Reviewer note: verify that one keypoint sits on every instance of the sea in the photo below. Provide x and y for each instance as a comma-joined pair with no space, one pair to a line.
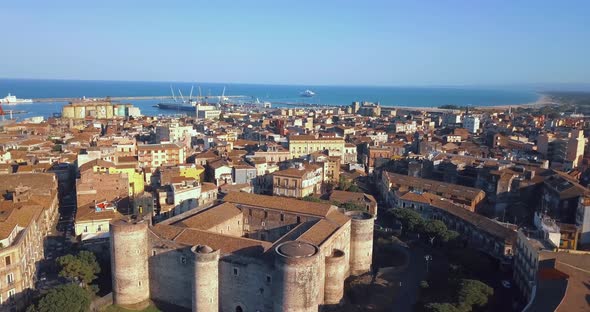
325,95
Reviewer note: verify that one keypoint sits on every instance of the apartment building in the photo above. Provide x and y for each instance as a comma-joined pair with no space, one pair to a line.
298,182
155,155
29,206
302,145
392,186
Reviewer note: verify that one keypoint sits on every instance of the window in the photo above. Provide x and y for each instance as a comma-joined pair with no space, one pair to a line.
85,229
7,260
268,279
100,227
236,272
282,217
183,259
10,278
298,219
11,293
266,214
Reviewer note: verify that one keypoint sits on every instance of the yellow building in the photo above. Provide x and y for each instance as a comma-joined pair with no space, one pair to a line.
301,145
134,175
196,172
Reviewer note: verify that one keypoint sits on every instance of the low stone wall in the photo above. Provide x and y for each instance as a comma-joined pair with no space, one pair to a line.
99,304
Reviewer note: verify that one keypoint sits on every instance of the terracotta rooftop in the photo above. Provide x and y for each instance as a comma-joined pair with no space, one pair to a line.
279,203
225,243
434,186
211,217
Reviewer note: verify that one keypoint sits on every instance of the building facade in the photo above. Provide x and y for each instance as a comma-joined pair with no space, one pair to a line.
30,209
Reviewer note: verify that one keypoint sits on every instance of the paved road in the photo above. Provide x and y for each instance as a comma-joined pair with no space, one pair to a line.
410,279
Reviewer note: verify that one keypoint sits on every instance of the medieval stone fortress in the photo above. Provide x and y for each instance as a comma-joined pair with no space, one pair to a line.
249,253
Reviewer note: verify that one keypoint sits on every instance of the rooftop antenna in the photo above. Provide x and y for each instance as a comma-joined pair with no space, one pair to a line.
173,96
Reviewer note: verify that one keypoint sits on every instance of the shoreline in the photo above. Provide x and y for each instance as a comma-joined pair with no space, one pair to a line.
542,100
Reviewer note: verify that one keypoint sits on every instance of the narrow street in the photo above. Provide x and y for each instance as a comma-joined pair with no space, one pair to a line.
410,279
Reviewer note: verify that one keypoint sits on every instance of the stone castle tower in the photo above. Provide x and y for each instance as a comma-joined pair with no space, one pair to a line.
129,266
206,279
297,276
361,241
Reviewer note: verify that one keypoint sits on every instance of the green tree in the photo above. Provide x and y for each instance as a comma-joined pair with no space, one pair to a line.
424,284
350,206
312,199
354,188
451,235
343,184
82,267
435,229
69,297
441,307
473,293
410,219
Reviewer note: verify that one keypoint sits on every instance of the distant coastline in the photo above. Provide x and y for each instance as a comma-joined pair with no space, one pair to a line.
326,95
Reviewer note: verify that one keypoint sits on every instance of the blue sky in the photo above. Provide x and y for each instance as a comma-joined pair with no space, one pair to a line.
435,42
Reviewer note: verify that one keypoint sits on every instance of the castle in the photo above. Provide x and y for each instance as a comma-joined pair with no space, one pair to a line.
249,253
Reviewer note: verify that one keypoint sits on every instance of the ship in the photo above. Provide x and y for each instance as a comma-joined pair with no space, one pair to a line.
12,100
307,93
179,103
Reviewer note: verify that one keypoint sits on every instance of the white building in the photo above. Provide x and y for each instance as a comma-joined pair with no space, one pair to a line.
471,123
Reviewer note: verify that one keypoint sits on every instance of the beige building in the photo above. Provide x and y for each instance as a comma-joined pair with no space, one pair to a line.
29,209
298,182
301,145
98,110
251,253
155,155
93,220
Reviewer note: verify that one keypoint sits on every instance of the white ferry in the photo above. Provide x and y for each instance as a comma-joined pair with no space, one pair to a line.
12,100
307,93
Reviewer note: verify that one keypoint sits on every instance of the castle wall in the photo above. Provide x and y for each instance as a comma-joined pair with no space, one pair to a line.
276,223
245,282
171,276
232,226
338,240
129,251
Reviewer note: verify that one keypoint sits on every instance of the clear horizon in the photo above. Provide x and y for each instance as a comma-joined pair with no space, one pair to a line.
457,43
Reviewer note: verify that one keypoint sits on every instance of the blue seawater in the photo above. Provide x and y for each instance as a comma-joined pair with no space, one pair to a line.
325,95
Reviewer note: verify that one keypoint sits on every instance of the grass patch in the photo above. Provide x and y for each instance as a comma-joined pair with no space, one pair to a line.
114,308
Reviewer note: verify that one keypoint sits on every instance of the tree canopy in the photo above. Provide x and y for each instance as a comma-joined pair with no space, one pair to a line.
441,307
410,219
468,294
82,267
69,297
473,293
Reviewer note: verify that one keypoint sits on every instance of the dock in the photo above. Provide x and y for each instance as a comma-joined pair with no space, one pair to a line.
132,98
